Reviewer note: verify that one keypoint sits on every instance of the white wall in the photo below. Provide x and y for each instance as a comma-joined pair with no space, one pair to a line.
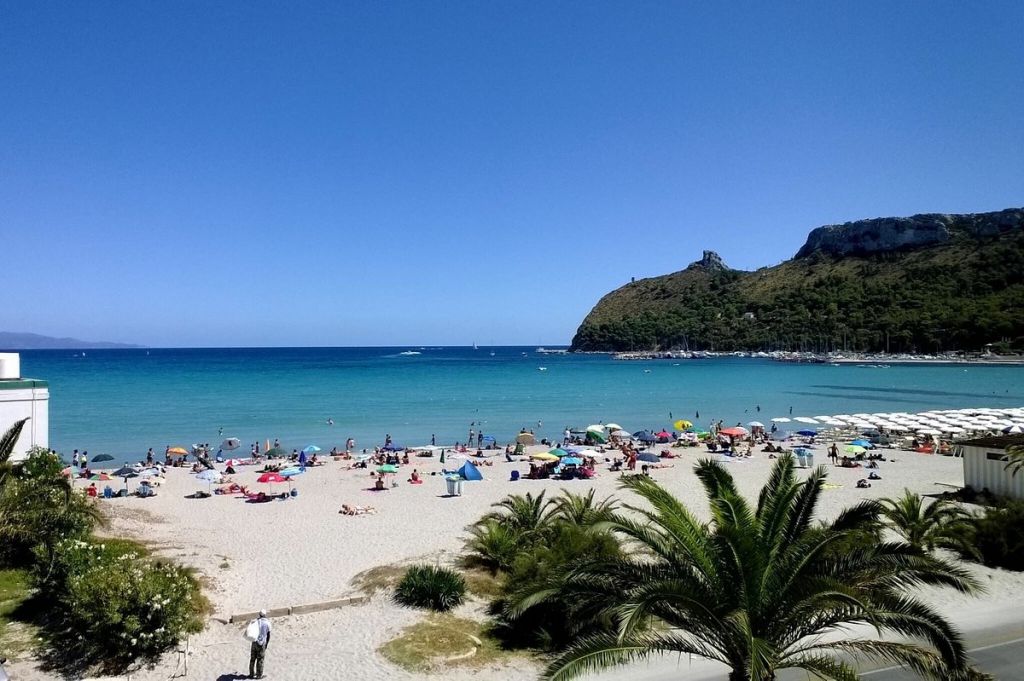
980,472
16,404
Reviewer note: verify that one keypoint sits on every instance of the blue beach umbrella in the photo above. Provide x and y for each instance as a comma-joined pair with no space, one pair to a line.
862,443
291,472
572,461
645,436
302,458
310,449
807,433
649,458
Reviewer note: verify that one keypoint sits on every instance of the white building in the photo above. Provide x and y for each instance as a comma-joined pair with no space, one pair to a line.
985,466
20,398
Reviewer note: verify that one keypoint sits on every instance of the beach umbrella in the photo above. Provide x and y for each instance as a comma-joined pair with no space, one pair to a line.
101,477
613,426
177,451
807,433
808,419
756,424
209,476
233,462
557,452
595,428
230,444
780,435
310,449
648,457
735,431
781,419
861,443
393,447
270,477
621,434
102,457
929,431
292,472
526,439
149,473
1015,428
275,452
572,461
302,459
387,468
645,436
682,424
125,471
596,436
544,456
854,449
588,452
72,471
442,456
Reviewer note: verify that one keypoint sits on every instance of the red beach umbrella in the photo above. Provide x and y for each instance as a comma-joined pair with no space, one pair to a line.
733,432
270,477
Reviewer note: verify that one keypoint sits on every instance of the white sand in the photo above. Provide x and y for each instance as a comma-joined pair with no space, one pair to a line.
301,551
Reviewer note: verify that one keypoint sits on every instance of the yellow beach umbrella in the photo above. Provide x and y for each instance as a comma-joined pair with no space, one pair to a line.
682,424
544,456
178,451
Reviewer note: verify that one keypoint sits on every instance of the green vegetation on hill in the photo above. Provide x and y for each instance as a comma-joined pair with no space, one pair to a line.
960,294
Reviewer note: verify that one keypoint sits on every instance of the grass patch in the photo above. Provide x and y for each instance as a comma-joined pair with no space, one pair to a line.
482,584
424,646
380,578
15,636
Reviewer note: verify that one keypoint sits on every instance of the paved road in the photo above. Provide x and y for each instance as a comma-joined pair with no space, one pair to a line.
1005,661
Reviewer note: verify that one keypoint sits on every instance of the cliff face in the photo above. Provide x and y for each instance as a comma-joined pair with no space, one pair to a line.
878,235
925,283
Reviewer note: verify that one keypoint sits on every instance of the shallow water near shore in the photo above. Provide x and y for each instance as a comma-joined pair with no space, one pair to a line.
123,401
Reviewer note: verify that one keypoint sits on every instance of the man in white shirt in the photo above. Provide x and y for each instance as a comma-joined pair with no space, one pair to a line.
258,650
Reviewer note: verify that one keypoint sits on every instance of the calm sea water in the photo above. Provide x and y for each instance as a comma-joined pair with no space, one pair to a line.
123,401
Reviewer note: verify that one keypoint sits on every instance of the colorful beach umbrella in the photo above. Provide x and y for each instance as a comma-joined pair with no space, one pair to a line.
613,426
387,468
101,477
72,471
682,424
544,456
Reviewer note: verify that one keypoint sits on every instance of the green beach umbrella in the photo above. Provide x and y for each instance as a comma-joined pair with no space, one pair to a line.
387,468
854,449
559,452
275,452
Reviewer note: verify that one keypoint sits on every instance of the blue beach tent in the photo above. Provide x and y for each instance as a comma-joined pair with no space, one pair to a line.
470,472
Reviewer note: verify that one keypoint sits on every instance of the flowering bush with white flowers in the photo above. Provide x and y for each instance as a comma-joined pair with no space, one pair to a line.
120,604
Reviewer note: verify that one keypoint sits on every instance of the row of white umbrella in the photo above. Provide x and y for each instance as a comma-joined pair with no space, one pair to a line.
935,422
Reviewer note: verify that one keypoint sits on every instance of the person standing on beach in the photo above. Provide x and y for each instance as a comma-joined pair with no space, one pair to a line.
433,440
258,649
833,453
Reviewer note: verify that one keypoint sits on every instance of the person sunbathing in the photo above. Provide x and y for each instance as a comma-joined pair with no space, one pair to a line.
415,477
347,509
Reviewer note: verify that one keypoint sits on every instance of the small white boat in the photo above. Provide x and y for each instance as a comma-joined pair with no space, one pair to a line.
409,352
542,368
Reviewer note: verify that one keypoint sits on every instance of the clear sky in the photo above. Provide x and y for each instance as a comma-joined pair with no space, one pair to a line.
295,173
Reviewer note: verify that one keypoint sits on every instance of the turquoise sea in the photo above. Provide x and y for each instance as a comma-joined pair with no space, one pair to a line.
123,401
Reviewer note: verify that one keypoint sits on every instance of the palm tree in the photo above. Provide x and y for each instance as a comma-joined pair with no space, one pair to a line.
1015,459
7,442
757,588
582,510
927,528
524,514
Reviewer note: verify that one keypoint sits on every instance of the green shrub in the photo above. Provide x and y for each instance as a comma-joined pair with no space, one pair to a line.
996,536
39,508
122,605
428,586
493,545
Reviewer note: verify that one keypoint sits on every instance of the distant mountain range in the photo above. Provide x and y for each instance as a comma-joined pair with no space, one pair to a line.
10,340
926,283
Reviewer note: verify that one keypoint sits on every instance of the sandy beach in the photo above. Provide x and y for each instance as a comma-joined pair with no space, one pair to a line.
302,551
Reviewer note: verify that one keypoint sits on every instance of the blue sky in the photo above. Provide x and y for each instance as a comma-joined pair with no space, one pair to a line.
298,173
